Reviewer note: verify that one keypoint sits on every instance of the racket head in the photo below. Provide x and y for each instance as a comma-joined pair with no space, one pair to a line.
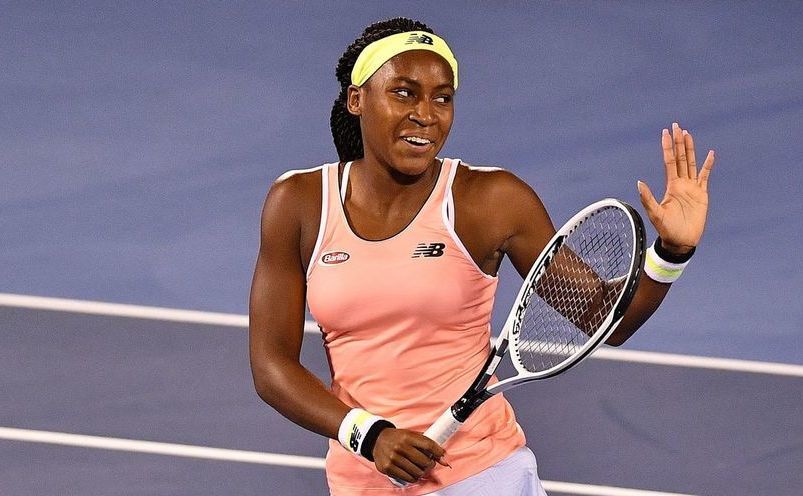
576,291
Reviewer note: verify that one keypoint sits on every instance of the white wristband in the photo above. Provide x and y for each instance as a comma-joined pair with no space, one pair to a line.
660,270
354,431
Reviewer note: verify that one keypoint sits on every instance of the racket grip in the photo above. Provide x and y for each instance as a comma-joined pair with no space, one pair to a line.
440,432
443,428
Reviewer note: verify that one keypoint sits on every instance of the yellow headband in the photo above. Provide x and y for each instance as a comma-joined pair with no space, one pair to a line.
377,53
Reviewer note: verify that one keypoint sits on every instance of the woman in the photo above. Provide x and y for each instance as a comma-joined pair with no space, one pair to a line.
396,253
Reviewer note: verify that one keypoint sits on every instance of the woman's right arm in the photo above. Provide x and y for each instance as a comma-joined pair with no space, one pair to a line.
276,311
276,329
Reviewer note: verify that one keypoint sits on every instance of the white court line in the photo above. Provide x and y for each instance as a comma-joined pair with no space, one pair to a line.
137,446
589,490
257,457
122,310
675,360
237,320
133,311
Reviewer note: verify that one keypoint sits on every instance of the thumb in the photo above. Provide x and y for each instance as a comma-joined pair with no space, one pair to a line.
647,199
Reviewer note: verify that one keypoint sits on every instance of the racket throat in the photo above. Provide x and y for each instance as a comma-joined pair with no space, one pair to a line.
466,406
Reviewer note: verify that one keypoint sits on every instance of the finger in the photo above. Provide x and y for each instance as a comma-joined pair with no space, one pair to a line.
680,150
408,467
429,446
399,474
692,160
648,200
706,170
433,450
442,462
422,459
669,155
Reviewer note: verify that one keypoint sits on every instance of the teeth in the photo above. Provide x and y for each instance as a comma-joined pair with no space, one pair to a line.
417,140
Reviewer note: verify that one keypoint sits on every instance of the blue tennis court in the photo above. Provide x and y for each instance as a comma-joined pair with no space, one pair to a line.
138,141
614,423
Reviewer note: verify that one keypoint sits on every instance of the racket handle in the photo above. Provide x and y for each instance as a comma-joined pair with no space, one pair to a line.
440,432
443,428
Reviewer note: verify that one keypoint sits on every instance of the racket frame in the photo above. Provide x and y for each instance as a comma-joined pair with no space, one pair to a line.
477,393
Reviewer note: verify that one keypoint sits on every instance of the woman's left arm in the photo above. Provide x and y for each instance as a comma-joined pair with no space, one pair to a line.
679,220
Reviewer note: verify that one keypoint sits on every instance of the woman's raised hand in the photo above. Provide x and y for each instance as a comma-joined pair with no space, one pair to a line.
680,216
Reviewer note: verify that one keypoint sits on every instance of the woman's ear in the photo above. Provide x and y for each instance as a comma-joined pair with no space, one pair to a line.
353,100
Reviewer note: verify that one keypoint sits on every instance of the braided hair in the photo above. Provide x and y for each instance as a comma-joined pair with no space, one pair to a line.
345,126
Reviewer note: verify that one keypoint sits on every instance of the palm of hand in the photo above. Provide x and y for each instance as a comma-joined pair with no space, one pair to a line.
680,217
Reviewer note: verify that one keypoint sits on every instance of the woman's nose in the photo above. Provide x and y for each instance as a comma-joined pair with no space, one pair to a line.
423,114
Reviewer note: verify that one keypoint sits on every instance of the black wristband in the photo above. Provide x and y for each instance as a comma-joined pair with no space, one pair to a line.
670,257
367,448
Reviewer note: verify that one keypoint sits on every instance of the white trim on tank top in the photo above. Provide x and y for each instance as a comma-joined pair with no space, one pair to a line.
324,211
345,182
448,221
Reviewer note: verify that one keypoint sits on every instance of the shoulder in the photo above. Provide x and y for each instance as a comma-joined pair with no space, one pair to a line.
296,188
499,200
298,182
491,183
294,199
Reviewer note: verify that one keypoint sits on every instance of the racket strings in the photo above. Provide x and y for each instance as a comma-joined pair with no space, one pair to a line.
577,291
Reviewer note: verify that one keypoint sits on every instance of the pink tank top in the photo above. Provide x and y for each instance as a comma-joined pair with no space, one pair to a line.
406,327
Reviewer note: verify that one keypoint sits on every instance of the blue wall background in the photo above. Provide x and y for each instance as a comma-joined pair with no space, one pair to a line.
137,140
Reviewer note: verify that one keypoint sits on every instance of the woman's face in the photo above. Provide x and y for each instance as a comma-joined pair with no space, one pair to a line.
406,110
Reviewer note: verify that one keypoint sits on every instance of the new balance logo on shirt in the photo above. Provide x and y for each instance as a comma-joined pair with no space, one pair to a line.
429,250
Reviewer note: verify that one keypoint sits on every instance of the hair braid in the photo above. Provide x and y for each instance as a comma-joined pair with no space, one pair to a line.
345,126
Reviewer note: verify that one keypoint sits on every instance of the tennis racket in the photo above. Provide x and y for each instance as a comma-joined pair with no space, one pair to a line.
571,300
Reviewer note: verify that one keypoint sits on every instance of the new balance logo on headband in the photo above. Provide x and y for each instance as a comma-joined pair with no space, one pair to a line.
428,250
418,38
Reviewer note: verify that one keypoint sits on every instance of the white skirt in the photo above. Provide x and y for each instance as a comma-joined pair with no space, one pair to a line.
516,475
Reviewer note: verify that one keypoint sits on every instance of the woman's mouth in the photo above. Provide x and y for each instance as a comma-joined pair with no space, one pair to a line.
418,142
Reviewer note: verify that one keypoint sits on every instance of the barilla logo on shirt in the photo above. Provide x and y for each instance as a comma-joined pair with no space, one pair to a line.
334,257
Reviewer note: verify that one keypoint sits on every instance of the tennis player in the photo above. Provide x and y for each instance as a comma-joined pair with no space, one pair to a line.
396,253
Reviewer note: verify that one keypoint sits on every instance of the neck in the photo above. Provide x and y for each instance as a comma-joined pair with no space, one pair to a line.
382,185
386,180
